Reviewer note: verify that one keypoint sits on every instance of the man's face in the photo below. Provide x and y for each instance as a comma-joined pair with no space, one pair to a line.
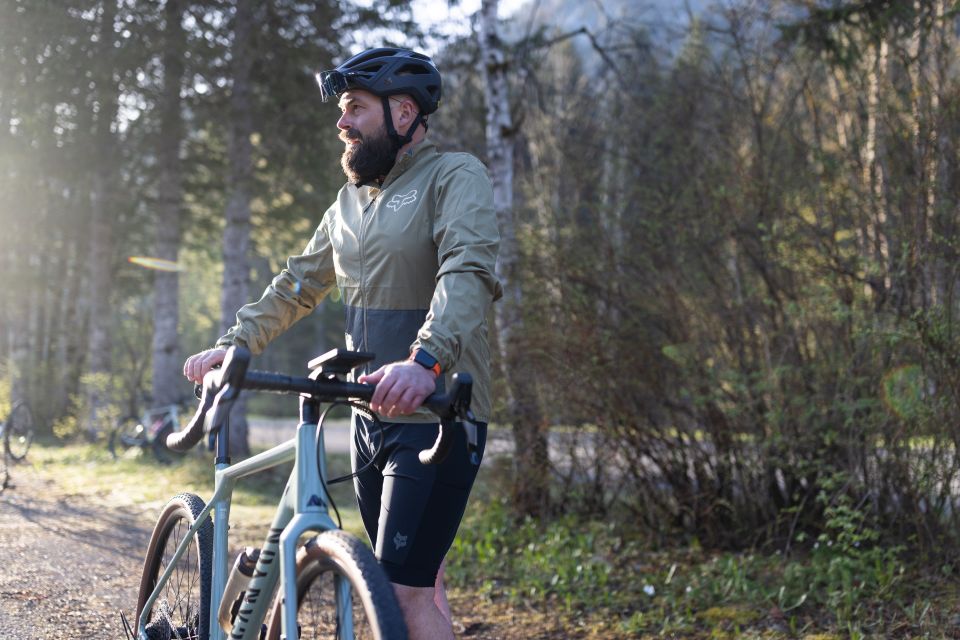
369,153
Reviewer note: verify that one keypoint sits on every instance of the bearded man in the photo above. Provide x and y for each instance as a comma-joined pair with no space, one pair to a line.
411,242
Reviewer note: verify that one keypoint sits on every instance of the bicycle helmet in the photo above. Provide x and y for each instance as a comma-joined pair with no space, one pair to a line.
384,72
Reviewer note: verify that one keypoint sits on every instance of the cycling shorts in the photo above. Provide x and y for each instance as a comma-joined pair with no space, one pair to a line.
411,511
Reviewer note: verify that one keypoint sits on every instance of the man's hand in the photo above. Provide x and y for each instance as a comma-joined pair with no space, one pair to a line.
401,387
198,364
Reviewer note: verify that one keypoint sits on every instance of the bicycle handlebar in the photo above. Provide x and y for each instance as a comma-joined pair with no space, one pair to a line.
221,387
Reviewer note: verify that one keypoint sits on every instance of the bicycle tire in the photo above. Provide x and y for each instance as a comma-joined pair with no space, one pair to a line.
337,554
161,452
18,432
128,434
184,605
4,471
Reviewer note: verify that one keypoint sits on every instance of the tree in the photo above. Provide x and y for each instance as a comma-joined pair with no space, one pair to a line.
166,290
531,493
103,208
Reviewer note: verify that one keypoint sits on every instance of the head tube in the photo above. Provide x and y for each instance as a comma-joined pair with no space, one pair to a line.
332,84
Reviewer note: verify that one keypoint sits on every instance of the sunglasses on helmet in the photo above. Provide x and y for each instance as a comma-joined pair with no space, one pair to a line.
332,83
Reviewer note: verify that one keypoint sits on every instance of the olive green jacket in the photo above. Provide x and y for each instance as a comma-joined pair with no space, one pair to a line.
414,261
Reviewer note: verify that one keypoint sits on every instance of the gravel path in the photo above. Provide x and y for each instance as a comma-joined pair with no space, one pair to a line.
67,566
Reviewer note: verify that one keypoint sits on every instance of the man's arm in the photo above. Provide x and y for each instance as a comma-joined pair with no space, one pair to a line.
292,294
467,240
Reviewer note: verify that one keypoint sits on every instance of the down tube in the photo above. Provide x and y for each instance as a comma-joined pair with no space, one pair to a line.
253,609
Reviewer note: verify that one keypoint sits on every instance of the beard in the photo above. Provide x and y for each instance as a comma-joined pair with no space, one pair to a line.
369,160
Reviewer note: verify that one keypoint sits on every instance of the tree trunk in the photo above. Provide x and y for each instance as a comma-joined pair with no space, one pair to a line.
875,246
101,231
531,489
236,234
166,356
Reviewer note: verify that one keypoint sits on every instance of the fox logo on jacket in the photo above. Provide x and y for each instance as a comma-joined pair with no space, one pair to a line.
398,200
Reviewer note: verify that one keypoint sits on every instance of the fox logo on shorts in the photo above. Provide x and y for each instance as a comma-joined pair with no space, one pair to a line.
399,541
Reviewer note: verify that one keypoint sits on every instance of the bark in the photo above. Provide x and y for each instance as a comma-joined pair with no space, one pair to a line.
531,491
103,210
236,234
166,356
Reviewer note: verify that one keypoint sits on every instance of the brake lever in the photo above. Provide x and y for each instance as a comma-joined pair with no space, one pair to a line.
473,446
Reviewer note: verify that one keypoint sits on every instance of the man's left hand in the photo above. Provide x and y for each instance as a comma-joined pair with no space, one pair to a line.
401,387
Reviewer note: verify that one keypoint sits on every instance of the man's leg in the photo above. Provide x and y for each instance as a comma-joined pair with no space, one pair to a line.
424,620
440,594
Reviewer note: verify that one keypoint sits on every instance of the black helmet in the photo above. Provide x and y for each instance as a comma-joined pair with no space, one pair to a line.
385,72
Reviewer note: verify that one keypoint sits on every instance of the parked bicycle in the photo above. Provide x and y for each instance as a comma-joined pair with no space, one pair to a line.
148,431
329,587
17,431
4,470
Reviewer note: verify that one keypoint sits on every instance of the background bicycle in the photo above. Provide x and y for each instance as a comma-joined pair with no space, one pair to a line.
18,431
148,431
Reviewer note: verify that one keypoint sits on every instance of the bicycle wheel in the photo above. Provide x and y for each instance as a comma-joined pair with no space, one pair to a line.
160,450
19,431
337,558
4,471
128,434
183,606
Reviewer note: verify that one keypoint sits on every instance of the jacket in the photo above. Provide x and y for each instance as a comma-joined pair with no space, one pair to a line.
414,260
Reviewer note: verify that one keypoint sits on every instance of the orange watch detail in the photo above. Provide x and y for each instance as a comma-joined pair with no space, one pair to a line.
426,361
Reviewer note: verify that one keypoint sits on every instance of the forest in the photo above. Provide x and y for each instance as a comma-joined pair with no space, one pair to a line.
729,241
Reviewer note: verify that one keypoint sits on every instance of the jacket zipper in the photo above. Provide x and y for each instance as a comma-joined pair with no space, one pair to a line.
363,298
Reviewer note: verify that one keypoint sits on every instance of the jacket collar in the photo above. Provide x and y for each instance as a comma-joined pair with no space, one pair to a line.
412,156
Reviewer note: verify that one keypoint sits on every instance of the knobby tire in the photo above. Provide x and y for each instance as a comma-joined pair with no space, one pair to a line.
337,554
185,599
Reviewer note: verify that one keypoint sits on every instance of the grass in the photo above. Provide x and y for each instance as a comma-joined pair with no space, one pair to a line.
568,578
138,480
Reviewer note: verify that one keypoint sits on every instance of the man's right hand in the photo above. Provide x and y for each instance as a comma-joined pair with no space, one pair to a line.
197,365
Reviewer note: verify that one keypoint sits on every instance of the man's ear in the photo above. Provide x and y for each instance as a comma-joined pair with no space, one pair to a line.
407,113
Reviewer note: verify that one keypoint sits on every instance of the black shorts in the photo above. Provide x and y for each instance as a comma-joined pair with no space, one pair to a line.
411,511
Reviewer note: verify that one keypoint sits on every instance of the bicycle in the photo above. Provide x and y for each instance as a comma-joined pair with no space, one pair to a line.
149,431
17,431
184,589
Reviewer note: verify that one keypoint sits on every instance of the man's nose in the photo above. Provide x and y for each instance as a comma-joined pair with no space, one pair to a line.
343,122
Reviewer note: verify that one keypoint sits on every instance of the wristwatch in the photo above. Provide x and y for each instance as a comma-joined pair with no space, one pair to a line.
426,361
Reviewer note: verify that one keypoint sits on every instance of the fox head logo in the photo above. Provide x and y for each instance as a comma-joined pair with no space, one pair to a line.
401,200
399,541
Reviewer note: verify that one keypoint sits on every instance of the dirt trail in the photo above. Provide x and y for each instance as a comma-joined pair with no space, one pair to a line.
67,566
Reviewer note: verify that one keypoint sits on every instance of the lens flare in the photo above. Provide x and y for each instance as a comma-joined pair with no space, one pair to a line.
905,389
157,264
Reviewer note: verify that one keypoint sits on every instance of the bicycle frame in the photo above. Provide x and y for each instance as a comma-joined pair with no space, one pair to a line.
302,509
154,420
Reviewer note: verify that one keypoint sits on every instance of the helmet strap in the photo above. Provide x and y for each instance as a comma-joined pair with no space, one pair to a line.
392,131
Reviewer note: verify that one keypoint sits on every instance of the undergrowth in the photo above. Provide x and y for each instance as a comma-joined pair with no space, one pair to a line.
606,580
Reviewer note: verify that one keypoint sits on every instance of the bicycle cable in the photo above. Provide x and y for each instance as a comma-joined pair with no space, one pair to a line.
359,408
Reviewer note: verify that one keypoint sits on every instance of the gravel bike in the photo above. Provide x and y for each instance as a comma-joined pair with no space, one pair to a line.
17,431
148,431
329,587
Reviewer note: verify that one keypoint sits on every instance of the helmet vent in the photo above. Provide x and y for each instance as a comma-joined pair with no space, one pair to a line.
413,69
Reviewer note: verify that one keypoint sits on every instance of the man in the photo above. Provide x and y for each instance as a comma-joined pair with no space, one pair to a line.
411,242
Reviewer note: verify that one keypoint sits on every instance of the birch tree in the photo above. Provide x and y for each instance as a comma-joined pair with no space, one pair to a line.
531,495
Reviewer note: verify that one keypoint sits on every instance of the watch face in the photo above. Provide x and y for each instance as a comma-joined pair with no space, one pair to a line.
423,358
